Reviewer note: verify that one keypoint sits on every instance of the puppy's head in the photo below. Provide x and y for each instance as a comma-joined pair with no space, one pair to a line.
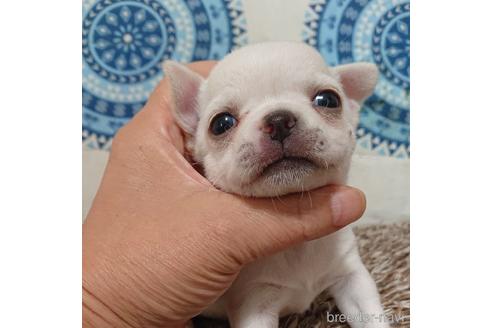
271,118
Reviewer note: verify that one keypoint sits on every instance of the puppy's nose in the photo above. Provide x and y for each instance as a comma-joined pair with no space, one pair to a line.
279,124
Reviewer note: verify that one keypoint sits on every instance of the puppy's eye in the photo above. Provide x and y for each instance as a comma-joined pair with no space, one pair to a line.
327,98
221,123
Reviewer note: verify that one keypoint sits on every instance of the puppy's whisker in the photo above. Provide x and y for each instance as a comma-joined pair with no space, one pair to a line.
310,199
274,205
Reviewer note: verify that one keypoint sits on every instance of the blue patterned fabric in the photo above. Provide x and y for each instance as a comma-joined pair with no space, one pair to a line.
125,41
377,31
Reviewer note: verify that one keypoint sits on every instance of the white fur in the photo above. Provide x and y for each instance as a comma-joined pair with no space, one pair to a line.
251,83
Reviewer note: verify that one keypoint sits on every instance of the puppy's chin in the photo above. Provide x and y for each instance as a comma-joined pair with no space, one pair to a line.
287,177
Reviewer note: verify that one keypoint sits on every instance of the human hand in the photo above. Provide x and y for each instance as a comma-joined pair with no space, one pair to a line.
160,243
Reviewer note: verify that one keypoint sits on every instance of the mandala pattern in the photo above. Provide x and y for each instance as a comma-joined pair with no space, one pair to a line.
124,43
377,31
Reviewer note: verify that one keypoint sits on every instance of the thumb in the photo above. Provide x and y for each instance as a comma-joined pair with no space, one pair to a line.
262,226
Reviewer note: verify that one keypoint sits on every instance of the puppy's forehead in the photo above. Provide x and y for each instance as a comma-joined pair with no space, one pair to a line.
264,69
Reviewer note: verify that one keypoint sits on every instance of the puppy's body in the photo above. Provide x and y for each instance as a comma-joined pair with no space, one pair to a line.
273,119
288,282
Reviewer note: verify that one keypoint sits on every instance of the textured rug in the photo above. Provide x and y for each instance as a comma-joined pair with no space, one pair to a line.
385,249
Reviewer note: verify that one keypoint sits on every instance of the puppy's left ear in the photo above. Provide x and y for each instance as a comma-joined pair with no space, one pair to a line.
185,86
358,80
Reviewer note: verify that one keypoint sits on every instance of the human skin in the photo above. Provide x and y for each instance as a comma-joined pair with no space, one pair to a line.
160,243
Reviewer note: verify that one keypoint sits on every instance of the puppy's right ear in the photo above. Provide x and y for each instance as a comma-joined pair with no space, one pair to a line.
185,85
358,79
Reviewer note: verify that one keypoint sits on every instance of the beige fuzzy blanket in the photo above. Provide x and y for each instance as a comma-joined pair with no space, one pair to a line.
385,249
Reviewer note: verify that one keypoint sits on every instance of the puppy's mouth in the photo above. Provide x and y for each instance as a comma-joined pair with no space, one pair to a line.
288,163
285,171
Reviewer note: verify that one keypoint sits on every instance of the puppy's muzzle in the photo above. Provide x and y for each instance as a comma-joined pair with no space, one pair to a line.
279,124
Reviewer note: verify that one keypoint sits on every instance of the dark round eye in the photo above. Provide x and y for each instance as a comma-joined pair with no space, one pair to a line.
221,123
327,98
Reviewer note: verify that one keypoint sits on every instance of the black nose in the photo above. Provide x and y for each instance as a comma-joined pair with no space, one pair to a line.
279,124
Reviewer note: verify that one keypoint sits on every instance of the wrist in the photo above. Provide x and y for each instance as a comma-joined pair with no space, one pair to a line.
100,306
111,299
95,313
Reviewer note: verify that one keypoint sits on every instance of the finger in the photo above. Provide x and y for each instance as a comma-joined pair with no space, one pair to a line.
160,97
156,116
154,125
266,226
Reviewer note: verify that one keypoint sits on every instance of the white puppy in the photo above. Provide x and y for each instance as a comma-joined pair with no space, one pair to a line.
273,119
